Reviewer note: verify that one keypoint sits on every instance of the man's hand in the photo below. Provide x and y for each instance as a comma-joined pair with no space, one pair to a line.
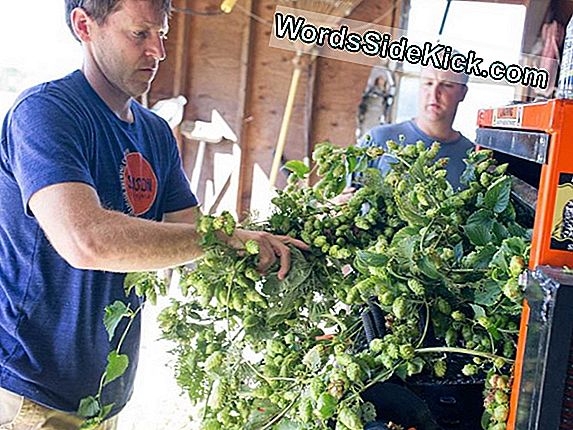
343,197
270,247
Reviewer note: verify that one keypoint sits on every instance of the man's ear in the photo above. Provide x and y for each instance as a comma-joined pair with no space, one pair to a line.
82,24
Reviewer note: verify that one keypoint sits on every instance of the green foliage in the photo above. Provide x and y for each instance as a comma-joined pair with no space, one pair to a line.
116,366
443,264
89,407
146,285
114,313
260,353
298,168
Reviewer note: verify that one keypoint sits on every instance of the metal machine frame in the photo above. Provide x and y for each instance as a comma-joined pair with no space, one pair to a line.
541,133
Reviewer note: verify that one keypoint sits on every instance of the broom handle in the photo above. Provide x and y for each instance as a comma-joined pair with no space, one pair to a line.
286,119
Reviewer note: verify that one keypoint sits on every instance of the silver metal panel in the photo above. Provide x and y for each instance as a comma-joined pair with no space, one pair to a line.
524,193
528,145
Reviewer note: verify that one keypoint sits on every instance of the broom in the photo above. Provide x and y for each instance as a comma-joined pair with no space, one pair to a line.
339,8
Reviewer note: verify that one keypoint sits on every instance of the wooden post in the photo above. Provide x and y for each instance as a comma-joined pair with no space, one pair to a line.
244,101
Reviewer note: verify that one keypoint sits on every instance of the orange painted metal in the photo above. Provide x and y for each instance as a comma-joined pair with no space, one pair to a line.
555,118
518,367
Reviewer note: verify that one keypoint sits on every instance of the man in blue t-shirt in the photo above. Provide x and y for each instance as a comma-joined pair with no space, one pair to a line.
439,95
92,187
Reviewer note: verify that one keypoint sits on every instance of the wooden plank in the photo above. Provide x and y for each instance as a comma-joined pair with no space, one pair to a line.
309,107
239,180
215,58
163,84
181,58
231,68
181,53
399,20
563,10
270,77
518,2
534,18
340,85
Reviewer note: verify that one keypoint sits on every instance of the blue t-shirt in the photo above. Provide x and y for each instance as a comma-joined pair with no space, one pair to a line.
53,343
455,150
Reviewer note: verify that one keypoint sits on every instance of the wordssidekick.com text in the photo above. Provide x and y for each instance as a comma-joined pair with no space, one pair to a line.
374,43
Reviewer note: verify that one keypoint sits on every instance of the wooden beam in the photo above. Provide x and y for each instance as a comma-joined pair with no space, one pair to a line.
518,2
534,19
243,177
180,66
562,10
309,107
181,51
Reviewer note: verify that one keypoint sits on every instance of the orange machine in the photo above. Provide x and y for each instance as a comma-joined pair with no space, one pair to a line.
539,137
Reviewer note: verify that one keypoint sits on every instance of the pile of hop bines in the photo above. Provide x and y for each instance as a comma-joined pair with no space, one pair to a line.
259,353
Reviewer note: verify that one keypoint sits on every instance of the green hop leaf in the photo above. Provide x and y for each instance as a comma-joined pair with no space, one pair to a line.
89,407
297,167
325,406
497,196
91,424
116,366
350,418
113,315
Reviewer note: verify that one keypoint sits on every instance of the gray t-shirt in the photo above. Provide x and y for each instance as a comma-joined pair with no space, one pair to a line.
455,150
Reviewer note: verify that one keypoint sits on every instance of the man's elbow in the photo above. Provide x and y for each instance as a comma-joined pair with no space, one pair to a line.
82,252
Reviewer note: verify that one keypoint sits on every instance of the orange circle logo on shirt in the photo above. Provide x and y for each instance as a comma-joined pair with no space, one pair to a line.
139,183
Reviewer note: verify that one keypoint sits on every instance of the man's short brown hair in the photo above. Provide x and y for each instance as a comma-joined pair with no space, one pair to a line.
99,10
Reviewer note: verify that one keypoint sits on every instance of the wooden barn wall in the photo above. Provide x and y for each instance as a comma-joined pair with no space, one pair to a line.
224,62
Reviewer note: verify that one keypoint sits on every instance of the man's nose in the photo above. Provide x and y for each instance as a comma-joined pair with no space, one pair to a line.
156,47
436,91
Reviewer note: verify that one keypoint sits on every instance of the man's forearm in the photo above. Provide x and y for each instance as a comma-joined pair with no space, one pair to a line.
120,243
92,238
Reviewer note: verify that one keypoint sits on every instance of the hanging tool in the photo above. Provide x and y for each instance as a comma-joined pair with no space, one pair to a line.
443,24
